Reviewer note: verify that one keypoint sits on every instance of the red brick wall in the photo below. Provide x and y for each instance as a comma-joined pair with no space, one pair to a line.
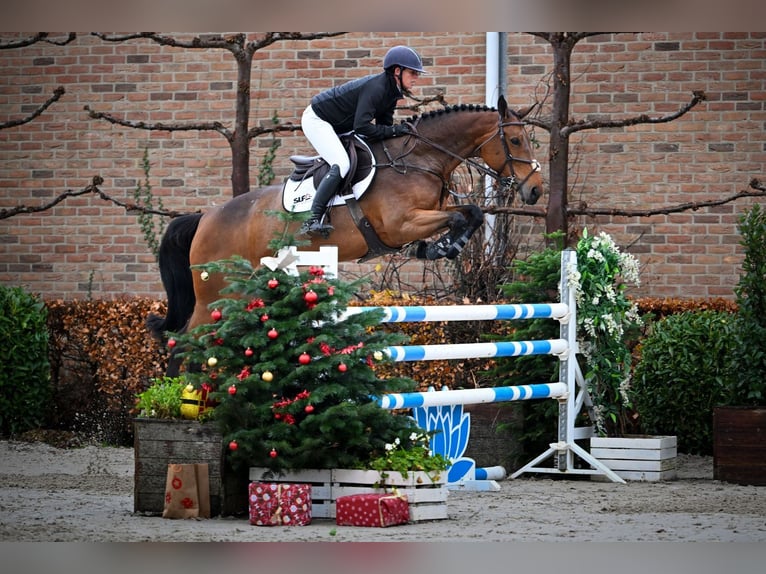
87,246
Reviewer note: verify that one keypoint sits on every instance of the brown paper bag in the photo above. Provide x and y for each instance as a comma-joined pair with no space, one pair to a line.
187,491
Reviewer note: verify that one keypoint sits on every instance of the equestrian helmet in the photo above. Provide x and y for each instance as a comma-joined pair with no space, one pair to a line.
404,57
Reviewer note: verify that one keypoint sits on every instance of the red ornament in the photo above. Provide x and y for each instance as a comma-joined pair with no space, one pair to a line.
264,318
310,296
171,343
304,359
309,408
272,334
273,283
233,390
248,352
215,315
233,445
273,453
342,367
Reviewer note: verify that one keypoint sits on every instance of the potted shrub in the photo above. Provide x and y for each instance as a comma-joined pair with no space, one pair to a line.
739,423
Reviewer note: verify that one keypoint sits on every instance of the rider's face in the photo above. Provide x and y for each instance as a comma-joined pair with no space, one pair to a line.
409,78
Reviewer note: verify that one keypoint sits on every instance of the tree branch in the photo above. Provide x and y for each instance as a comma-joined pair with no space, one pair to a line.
57,93
159,126
760,191
39,37
91,188
697,97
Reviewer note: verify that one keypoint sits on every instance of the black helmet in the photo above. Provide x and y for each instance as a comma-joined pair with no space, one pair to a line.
404,57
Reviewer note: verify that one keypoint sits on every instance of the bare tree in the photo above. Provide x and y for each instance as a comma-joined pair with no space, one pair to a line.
561,126
240,136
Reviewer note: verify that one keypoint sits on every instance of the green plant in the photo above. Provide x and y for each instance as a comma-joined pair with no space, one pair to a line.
681,376
145,202
407,456
25,375
747,385
162,400
605,314
266,170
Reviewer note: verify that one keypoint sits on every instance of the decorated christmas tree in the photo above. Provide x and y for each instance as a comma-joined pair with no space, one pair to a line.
291,374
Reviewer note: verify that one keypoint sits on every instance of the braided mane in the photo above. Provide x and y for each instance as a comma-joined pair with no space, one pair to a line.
450,109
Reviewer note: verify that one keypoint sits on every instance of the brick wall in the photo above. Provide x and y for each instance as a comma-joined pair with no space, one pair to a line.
85,246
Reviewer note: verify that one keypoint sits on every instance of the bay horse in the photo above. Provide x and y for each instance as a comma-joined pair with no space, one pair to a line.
404,205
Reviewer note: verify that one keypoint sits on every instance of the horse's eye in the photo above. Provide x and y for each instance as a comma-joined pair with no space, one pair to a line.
515,141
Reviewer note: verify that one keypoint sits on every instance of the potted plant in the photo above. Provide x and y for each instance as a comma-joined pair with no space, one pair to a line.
739,423
172,426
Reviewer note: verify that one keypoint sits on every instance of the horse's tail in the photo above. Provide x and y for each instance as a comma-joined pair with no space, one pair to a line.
176,275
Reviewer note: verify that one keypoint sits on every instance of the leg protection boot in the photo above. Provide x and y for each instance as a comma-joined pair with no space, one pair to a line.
328,187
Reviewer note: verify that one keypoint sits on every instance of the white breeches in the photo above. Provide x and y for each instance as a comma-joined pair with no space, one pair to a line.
322,136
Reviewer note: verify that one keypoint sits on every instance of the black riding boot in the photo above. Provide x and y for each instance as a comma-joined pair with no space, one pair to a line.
327,188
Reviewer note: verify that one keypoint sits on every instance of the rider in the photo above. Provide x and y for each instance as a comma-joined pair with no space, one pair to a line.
352,107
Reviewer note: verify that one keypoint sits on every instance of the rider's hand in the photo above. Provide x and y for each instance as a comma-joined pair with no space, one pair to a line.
402,129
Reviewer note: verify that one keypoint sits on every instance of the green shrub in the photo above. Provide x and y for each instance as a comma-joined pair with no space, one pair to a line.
681,375
747,386
25,373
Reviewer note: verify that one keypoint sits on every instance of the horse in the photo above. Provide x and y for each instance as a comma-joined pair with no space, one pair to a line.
404,206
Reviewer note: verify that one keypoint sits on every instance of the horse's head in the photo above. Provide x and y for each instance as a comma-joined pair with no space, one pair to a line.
509,153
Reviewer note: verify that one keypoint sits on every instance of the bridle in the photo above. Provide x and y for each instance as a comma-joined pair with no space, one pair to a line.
506,182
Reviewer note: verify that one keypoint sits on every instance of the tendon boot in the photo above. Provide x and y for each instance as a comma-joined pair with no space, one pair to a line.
327,188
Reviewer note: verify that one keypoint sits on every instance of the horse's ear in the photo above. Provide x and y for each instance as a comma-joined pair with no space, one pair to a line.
523,113
502,106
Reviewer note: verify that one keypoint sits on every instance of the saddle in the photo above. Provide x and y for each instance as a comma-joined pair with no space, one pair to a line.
315,167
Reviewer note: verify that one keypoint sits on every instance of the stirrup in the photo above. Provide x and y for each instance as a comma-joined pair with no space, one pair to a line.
314,227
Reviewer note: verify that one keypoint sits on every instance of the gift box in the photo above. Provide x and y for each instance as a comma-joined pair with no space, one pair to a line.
279,504
372,510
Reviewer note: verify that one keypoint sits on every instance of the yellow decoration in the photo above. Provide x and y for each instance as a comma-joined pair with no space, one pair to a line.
192,403
204,275
378,355
212,362
267,376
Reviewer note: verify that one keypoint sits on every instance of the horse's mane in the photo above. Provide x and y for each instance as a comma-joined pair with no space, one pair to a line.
451,109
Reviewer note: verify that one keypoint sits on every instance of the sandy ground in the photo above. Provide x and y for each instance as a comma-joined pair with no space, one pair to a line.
86,494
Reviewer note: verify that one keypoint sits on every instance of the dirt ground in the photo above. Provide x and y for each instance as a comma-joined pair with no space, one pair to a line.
86,495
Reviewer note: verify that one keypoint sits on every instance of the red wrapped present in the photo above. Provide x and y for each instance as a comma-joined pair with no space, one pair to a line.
372,510
275,504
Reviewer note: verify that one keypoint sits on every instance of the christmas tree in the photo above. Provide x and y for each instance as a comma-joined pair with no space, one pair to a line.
292,376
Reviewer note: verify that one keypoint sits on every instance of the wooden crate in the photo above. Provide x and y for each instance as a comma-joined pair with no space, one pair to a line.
637,457
159,442
427,497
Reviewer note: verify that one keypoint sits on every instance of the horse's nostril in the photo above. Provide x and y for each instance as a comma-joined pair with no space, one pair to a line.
534,195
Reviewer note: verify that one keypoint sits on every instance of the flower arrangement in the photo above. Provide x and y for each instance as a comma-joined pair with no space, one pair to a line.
604,314
416,456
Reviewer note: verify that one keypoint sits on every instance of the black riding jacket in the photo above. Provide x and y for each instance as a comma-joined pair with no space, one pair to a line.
352,106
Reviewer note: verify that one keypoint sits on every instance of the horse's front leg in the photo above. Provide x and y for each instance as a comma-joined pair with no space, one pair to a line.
462,223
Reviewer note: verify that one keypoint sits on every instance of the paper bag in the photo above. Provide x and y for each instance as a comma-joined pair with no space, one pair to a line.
187,491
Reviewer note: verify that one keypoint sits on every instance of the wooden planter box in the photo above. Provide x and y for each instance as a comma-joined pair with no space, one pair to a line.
427,498
159,442
638,457
739,445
